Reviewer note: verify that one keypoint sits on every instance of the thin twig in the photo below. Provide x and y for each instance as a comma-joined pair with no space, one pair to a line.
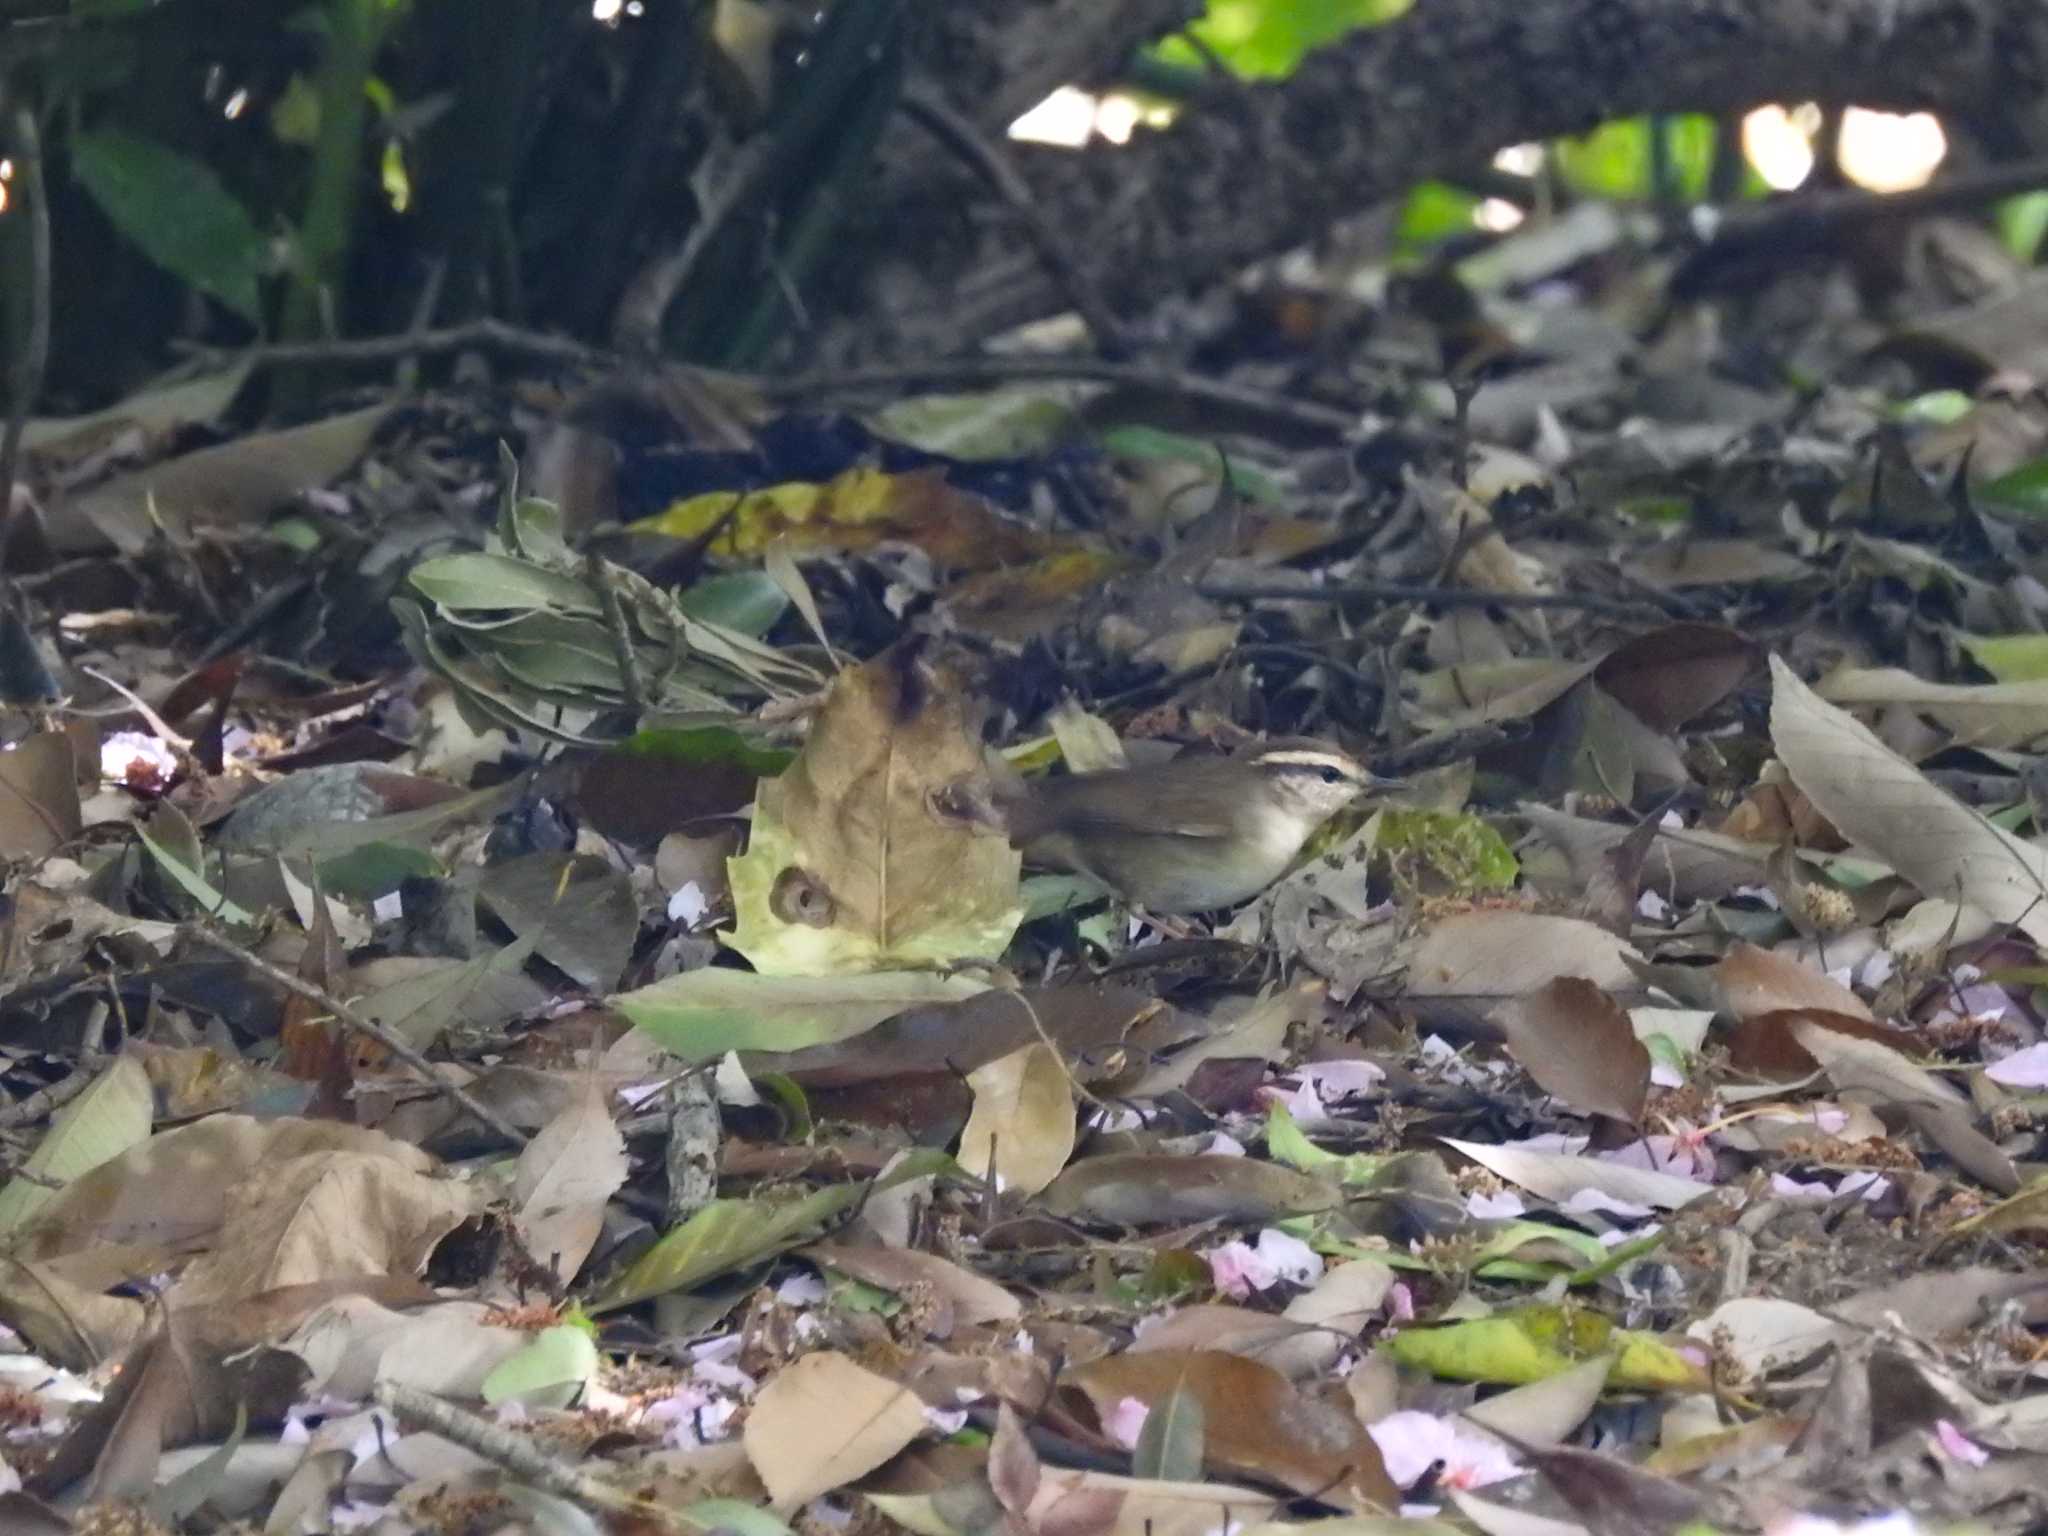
972,372
349,1018
599,575
1423,592
515,1452
26,1111
965,372
481,335
929,108
29,367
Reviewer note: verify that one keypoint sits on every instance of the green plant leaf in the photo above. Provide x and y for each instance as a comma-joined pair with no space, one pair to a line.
747,601
2021,490
177,212
1170,1445
550,1372
113,1114
730,1234
700,1015
2009,658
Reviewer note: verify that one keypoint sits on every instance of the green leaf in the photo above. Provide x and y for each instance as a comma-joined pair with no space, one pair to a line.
2009,658
376,869
1150,443
2021,490
998,424
700,1015
747,601
732,1515
1435,212
730,1234
473,582
177,212
112,1115
1461,848
550,1372
1170,1444
193,883
1266,39
2022,222
707,744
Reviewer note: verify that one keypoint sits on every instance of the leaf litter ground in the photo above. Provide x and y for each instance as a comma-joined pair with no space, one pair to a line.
534,1055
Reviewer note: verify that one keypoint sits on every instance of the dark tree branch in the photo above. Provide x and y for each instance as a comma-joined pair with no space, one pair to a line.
1270,166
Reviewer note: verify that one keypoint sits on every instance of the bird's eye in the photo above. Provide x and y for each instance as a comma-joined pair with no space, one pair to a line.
1331,775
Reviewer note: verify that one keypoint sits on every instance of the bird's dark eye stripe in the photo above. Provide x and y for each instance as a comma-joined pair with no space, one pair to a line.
1328,773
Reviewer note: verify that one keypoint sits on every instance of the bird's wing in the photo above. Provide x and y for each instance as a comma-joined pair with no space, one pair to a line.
1076,806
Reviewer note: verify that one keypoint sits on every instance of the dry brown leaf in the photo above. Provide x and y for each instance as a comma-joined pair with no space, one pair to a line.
1145,1189
1501,953
352,1343
849,867
1884,804
1766,1045
1023,1124
823,1421
65,1323
39,811
1675,674
967,1299
325,1216
1578,1045
238,482
1256,1422
175,1187
563,1179
1558,1176
1756,981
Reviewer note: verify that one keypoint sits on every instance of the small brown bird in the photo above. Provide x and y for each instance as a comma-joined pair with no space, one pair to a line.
1188,835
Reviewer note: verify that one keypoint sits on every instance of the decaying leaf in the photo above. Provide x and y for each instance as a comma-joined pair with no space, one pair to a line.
849,867
1884,804
1255,1422
1022,1129
824,1421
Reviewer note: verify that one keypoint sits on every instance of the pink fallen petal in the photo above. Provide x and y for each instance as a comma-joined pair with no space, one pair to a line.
1126,1421
1959,1445
1236,1270
1413,1443
2022,1069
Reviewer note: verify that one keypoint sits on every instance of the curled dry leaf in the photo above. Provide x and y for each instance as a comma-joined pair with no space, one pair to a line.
1757,981
562,1180
1675,674
1255,1422
1884,804
323,1215
1559,1176
1768,1045
174,1188
968,1299
1578,1044
1022,1128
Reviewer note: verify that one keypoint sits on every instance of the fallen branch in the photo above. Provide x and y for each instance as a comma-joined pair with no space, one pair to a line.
350,1019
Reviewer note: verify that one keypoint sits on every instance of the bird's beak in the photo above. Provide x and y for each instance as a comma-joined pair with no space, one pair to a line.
1381,781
